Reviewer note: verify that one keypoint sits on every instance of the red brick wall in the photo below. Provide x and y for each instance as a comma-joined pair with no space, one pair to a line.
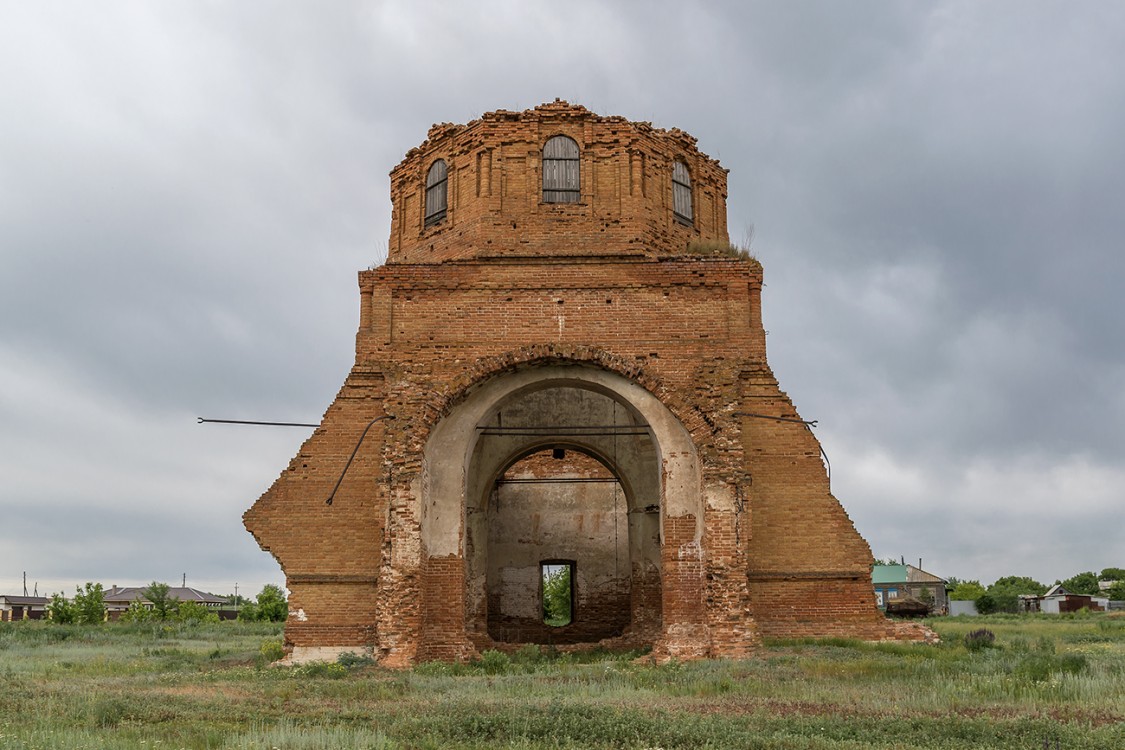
331,612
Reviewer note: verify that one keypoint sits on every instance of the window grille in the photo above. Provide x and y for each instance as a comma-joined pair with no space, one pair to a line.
681,193
560,171
436,203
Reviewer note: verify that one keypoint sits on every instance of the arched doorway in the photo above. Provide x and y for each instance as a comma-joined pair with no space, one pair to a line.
500,532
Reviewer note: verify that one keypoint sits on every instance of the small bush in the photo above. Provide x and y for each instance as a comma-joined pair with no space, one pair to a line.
60,611
194,612
980,639
436,669
351,660
329,669
1072,663
529,654
494,662
107,712
1036,668
136,613
271,651
1040,664
986,604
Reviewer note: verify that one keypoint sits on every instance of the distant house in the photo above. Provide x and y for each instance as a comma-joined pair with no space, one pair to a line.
1058,600
896,586
13,607
117,600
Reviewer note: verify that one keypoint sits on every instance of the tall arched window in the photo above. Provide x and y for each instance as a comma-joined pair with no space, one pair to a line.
681,193
560,170
436,181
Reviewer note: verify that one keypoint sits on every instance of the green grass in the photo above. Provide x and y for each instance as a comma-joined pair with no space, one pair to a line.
206,686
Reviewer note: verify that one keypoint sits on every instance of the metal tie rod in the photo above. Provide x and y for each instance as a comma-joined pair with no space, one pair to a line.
524,428
243,421
352,457
779,419
302,424
560,480
559,434
564,430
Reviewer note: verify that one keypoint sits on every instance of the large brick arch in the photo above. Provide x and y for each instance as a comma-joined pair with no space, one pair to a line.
446,469
452,392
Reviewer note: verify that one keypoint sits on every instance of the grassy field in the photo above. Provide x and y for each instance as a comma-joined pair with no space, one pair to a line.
1059,680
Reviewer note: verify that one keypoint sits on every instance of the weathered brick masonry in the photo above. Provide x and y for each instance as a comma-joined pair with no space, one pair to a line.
535,307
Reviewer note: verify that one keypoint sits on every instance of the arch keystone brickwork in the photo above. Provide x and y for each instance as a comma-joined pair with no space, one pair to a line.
511,328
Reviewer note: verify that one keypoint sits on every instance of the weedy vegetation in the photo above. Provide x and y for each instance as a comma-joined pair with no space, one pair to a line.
1055,679
717,247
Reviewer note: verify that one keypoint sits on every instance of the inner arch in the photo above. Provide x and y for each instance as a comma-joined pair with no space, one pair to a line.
557,508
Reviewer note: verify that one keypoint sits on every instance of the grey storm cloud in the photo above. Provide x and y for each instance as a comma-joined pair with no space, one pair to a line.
187,191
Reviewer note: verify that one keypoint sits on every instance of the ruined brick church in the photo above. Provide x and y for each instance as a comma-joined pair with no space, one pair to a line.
561,376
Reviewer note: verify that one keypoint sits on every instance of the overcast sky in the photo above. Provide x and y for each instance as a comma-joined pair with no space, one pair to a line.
187,190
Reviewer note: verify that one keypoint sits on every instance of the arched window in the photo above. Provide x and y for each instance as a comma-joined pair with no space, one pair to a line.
681,193
436,181
560,170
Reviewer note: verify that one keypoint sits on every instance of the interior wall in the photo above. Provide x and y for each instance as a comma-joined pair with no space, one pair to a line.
539,512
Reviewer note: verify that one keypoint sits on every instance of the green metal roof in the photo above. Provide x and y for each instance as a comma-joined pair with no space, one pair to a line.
888,574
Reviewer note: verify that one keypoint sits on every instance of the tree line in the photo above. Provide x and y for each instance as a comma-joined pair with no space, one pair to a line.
87,606
1003,595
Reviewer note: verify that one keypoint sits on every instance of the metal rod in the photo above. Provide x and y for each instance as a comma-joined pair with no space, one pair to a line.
242,421
351,457
525,428
779,419
557,433
807,423
558,480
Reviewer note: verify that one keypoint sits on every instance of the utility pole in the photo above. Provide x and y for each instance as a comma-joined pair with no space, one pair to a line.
25,583
184,583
